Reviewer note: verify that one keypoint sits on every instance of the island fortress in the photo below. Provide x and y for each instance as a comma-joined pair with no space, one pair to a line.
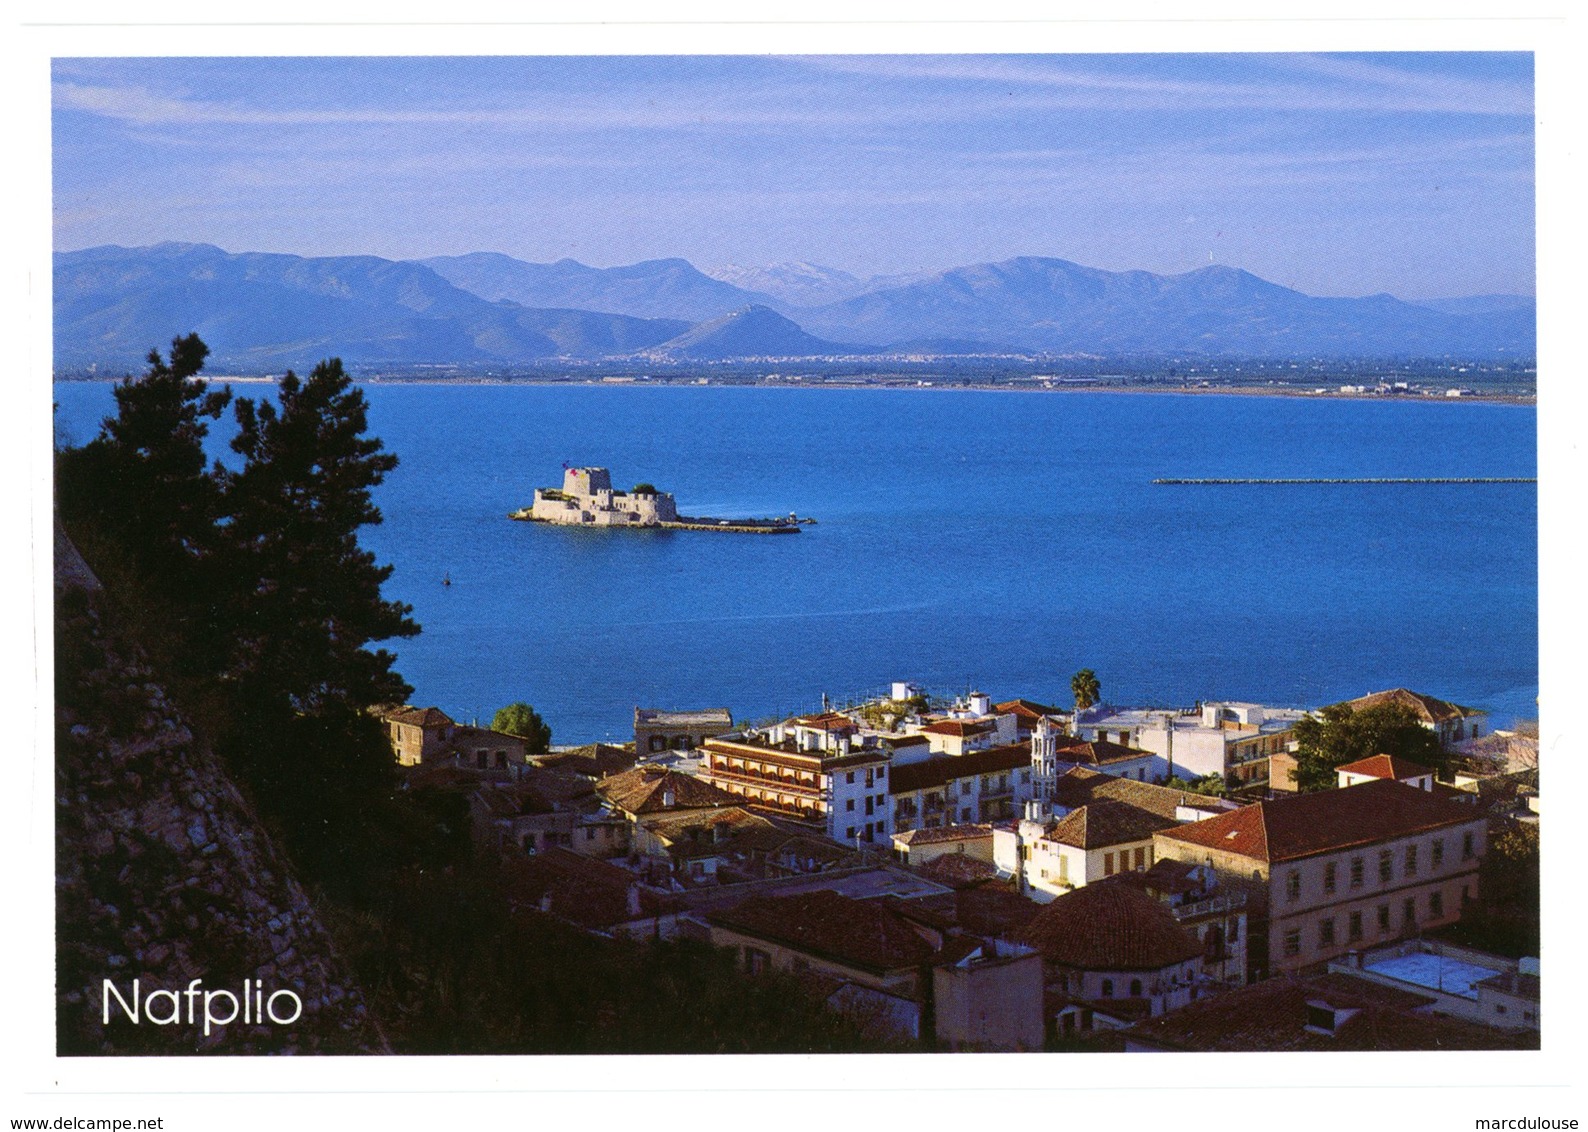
587,499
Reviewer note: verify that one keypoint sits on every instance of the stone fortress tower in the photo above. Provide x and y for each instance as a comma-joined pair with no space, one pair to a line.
587,498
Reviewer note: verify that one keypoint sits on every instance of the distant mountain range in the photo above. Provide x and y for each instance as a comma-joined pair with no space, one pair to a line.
269,311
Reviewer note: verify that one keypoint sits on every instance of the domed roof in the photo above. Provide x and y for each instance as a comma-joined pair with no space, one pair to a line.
1109,926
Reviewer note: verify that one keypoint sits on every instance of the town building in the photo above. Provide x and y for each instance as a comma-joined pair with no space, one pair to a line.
1334,1011
1338,870
429,736
1111,955
1463,983
1214,914
1451,722
813,768
1086,825
648,790
1392,767
1230,739
656,731
920,847
893,961
988,784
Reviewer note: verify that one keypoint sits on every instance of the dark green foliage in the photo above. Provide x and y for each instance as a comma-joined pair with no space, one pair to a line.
1085,688
644,489
451,970
145,504
1210,785
1505,917
524,721
1338,735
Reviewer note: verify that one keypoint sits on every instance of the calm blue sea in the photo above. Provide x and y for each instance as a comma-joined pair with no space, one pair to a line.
1001,540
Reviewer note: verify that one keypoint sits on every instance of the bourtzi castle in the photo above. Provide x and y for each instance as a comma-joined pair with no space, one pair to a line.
587,499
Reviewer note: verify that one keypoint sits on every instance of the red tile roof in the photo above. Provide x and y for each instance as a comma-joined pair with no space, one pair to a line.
1427,708
958,870
943,833
861,933
1026,710
1109,926
1272,1016
1386,766
1097,751
1106,822
827,721
1302,825
943,769
961,728
420,717
644,790
1082,785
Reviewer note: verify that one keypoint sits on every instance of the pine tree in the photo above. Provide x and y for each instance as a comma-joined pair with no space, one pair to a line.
142,502
308,604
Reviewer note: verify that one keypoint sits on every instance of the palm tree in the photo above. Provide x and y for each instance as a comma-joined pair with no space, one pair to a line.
1086,688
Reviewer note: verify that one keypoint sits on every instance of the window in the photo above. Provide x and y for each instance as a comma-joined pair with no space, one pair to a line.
1293,886
1139,859
1438,852
1353,929
1108,988
849,834
1356,872
1436,905
1293,941
480,759
1386,867
1234,932
871,778
1135,988
1108,864
849,804
1409,911
589,833
1383,918
1329,874
871,805
756,961
850,778
1468,847
1411,860
657,743
1326,933
882,772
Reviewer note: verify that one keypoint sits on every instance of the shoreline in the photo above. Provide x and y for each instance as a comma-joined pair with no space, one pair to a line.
1490,398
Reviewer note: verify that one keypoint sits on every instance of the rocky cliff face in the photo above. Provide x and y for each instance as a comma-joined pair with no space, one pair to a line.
164,875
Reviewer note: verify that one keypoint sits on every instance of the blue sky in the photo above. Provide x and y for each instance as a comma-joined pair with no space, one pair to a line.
1334,174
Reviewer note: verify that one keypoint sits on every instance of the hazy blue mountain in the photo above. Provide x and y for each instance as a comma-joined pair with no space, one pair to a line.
657,288
754,332
113,304
796,284
1052,304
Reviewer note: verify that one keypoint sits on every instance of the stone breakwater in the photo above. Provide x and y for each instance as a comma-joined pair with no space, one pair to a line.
1366,479
163,873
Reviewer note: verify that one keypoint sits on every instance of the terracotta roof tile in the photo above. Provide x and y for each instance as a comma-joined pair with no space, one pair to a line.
1273,1016
1082,785
1109,926
960,728
1386,766
644,790
421,717
943,769
943,833
1107,822
862,933
1283,829
1427,708
1097,751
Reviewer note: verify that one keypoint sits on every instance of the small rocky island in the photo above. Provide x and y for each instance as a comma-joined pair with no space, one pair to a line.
586,499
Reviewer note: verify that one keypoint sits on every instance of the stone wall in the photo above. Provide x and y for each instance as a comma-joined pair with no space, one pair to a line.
163,873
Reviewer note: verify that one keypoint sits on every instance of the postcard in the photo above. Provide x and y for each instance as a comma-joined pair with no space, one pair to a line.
826,555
